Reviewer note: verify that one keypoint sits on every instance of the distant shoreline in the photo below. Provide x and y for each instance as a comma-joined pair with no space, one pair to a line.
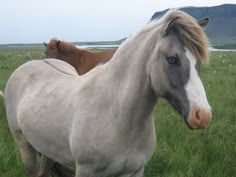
96,45
222,50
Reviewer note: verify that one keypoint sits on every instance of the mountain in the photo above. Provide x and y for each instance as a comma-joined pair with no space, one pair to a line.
221,29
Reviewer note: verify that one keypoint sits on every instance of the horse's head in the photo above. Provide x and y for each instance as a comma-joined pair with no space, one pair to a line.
52,48
175,66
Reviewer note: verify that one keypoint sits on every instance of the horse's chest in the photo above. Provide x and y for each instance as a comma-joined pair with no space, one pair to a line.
137,154
118,159
122,164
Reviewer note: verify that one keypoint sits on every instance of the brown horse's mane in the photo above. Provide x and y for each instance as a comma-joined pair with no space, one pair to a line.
190,33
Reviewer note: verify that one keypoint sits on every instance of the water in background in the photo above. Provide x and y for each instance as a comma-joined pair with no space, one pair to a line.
116,46
223,50
97,46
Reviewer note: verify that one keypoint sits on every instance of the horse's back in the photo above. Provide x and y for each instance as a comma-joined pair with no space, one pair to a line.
61,66
35,71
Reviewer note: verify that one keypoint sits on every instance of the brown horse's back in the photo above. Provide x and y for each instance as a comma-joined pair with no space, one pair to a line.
90,59
106,55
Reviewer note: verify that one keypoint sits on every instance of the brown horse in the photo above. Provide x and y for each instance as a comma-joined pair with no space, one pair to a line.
82,60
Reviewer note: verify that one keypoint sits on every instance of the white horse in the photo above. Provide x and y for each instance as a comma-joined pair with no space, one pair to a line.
102,121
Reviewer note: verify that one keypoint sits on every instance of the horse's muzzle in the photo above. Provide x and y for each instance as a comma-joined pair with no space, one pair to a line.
199,118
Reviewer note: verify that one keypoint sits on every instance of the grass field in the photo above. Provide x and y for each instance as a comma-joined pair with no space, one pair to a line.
180,152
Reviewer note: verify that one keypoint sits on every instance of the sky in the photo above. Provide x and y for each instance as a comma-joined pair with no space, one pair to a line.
31,21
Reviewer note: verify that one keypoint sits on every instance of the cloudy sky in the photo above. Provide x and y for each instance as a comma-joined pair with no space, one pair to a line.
31,21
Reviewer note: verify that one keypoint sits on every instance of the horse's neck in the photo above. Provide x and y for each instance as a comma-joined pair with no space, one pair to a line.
132,85
73,57
68,54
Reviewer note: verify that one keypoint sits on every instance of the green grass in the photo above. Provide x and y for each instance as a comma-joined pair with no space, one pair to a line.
180,152
10,160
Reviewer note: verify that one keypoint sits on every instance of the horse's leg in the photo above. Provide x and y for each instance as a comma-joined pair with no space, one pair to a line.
28,154
62,171
82,171
138,173
45,166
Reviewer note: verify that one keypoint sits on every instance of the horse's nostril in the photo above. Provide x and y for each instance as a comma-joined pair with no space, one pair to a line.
198,115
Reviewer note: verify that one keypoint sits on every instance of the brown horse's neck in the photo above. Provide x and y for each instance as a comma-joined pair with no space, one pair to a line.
71,56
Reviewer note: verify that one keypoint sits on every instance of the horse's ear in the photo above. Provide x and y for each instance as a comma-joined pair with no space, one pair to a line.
203,23
45,44
58,43
170,26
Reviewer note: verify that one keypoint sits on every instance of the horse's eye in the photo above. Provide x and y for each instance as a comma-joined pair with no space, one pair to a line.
172,60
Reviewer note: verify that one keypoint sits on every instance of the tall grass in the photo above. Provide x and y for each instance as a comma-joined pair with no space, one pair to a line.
180,152
10,160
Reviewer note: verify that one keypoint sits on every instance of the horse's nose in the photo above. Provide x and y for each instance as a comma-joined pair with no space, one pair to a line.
199,118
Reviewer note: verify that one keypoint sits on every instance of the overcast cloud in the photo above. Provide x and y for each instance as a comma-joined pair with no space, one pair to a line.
29,21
